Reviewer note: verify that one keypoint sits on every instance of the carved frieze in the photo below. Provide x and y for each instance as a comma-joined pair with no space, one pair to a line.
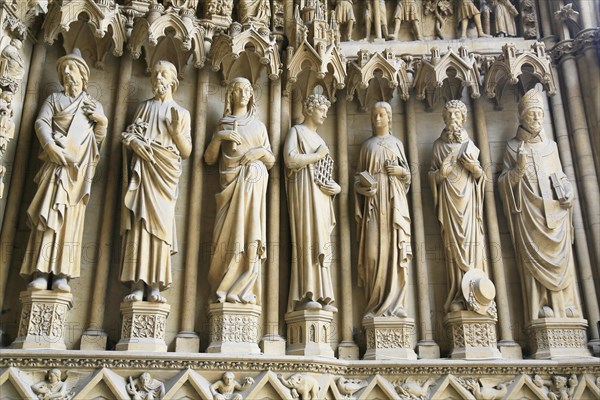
234,328
143,326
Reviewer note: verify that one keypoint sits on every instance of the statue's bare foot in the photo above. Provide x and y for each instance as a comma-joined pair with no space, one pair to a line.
155,297
330,307
61,284
571,312
308,304
233,298
135,295
249,299
545,312
400,313
39,283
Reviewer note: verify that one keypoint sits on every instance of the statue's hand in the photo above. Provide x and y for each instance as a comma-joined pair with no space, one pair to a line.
252,155
175,125
396,170
522,157
90,108
446,167
364,191
568,201
322,151
230,135
56,154
331,188
142,149
470,164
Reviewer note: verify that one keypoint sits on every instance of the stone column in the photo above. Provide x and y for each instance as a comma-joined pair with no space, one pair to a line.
376,23
507,345
347,349
587,14
94,337
187,339
272,343
427,347
17,183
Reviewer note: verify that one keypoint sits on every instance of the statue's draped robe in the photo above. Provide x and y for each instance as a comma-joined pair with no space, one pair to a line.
465,9
541,229
241,213
504,18
458,200
312,220
383,229
258,10
148,216
57,211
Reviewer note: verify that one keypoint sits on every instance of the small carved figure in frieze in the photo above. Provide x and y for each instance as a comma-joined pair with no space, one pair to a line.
382,215
370,18
225,388
158,140
411,388
7,133
11,63
310,190
466,11
538,201
52,387
145,388
348,387
344,15
222,8
254,11
458,184
504,18
241,145
189,4
407,10
302,386
440,9
70,126
486,392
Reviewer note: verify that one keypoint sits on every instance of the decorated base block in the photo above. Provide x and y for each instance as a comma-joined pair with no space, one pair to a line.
144,325
558,338
389,338
43,317
309,333
473,335
234,328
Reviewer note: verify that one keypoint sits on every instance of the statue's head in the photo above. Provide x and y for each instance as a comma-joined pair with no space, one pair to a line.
239,92
164,78
73,71
228,377
145,378
531,111
559,381
54,375
455,114
381,109
316,106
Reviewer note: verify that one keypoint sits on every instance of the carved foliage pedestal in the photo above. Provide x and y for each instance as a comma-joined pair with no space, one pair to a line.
309,333
473,335
389,338
43,317
144,326
234,328
558,338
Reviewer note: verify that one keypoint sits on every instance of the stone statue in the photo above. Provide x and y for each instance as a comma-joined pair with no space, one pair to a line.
310,189
225,388
145,388
11,63
538,201
239,239
458,184
70,126
302,386
348,387
7,133
344,15
383,219
219,8
411,388
406,10
466,11
52,387
190,4
158,140
485,391
504,18
254,11
370,18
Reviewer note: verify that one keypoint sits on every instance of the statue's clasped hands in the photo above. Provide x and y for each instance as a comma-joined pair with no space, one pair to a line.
90,108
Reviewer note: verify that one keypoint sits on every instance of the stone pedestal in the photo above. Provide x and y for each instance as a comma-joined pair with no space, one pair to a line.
43,317
144,326
187,342
389,338
428,349
272,345
234,328
558,338
309,333
473,335
348,351
93,339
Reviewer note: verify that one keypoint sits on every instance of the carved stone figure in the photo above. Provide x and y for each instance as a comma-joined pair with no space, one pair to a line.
145,388
458,184
219,8
241,145
254,11
538,201
504,18
158,140
310,189
344,15
52,387
406,10
486,392
225,388
348,387
466,10
302,386
11,63
382,214
370,18
7,133
190,4
411,388
70,126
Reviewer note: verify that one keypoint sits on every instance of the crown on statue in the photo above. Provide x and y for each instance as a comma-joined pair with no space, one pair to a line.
531,99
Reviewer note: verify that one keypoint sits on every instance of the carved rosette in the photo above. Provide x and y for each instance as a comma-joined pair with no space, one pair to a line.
144,326
309,333
43,318
472,335
555,338
234,328
389,338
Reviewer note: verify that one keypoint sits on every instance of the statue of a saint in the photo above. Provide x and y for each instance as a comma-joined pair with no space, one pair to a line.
11,63
225,388
241,145
504,18
383,219
344,15
406,10
70,126
537,199
52,387
254,11
158,139
370,18
145,388
458,184
466,10
310,189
